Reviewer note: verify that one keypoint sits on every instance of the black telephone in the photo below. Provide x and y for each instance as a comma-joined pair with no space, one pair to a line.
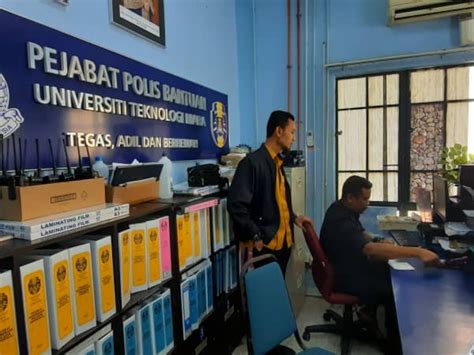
205,175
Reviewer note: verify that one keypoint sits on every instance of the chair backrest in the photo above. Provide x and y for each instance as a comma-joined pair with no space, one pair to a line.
323,273
271,318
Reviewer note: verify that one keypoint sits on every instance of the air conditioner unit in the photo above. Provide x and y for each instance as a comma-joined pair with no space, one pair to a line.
406,11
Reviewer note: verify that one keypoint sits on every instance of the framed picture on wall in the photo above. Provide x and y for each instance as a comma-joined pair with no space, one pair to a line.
143,17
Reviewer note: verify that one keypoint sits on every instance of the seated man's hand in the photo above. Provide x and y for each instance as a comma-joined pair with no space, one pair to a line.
428,257
388,241
302,219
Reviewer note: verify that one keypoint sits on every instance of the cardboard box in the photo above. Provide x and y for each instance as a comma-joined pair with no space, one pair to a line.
43,200
133,193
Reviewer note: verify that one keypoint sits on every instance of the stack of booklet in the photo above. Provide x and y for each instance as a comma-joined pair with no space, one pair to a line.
64,222
197,298
185,189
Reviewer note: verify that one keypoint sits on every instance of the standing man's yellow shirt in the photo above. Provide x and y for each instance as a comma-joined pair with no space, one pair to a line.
284,230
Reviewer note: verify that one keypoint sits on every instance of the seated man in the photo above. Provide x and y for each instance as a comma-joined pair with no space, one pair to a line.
359,262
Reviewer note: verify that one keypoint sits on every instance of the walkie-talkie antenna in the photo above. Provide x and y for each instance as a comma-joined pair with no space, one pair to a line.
53,162
67,157
36,178
15,165
25,145
79,154
80,173
89,158
4,172
21,179
38,169
7,155
20,155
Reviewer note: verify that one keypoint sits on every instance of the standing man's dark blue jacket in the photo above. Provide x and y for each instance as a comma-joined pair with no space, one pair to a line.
251,202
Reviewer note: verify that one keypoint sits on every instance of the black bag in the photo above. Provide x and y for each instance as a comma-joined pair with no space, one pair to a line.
205,175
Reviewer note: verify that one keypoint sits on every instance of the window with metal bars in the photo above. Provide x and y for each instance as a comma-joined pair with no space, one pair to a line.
392,127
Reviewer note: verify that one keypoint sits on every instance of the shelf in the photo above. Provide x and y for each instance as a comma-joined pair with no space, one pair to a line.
83,336
139,297
212,324
14,246
135,300
183,201
193,265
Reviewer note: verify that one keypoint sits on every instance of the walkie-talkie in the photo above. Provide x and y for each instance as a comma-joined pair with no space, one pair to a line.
80,173
36,178
54,177
91,173
11,179
22,180
15,165
68,175
25,146
3,178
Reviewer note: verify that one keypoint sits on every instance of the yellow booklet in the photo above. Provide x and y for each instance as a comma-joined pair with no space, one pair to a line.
35,307
154,256
139,252
125,265
9,340
59,291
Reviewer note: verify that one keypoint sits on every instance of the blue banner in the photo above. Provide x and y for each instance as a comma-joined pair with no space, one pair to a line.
55,86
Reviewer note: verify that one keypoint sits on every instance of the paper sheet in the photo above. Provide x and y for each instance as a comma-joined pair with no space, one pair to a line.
400,265
446,245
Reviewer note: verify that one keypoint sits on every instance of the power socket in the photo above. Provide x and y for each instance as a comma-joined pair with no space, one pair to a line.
309,139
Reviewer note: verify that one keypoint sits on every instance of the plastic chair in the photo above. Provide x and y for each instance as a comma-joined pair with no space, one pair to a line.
323,276
267,309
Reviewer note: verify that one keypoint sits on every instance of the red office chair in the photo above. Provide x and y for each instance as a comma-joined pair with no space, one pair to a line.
323,276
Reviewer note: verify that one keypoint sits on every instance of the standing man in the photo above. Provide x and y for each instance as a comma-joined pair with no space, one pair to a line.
259,199
359,260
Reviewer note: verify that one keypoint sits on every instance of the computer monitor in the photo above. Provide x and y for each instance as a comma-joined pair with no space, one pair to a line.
466,175
440,197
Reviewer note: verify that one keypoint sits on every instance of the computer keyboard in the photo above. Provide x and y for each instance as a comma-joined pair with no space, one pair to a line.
407,238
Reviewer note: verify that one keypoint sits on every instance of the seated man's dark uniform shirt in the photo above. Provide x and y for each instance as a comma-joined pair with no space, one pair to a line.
342,238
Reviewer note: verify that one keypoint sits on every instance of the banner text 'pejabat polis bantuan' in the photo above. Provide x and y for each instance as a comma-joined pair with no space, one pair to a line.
56,86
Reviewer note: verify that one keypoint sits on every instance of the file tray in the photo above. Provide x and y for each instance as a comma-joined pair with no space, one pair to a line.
132,173
397,223
42,200
133,193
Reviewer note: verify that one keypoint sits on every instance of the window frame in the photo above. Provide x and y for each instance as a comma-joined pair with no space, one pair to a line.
404,129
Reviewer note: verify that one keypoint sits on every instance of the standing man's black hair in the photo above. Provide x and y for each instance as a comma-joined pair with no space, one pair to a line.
354,185
278,119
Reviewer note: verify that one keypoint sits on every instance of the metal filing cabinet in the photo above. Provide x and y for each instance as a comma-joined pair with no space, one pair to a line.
296,267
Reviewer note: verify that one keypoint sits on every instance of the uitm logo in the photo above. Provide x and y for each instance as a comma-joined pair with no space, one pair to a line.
3,302
219,124
10,118
61,273
34,285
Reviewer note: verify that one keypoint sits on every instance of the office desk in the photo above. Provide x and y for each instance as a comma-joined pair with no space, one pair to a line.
435,310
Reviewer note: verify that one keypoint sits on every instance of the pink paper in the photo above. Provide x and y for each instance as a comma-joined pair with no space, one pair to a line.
165,246
202,205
